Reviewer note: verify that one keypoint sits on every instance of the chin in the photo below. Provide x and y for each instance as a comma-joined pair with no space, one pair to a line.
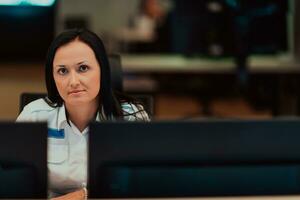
79,101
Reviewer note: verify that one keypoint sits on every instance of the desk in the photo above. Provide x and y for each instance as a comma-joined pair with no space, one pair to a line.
226,198
177,63
275,78
294,197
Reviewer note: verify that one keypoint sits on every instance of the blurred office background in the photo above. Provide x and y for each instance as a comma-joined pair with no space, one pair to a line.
196,58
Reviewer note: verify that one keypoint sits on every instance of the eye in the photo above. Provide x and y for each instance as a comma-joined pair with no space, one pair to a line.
62,71
83,68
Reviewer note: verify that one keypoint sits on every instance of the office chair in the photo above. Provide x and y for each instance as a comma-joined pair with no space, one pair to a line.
116,72
28,97
117,83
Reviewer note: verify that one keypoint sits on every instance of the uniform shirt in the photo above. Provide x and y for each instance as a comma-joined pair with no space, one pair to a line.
67,146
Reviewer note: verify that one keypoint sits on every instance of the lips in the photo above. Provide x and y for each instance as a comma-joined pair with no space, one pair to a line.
75,91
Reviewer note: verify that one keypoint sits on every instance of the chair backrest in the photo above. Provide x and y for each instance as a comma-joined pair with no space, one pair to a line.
116,72
117,83
28,97
147,101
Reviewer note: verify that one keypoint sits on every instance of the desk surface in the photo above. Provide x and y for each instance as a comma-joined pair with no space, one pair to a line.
179,63
212,198
225,198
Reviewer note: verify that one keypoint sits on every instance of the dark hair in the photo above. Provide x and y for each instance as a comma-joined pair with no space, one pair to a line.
107,100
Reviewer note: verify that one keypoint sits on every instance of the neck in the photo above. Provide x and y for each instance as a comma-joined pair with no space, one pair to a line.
81,115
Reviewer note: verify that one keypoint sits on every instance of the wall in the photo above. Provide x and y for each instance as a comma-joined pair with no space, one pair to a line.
15,79
104,15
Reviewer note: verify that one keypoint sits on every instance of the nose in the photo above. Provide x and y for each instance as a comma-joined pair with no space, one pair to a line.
74,80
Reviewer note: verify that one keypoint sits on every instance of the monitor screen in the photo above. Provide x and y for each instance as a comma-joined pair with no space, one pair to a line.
23,160
26,31
190,159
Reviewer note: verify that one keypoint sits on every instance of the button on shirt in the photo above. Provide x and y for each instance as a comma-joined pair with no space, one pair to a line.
67,146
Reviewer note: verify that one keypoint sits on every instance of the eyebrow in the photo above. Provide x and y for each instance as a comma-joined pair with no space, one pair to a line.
75,64
60,65
81,62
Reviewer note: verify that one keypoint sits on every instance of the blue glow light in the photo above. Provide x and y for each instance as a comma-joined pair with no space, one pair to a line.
232,3
27,2
10,2
41,2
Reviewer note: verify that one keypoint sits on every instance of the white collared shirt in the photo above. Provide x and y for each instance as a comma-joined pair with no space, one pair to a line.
67,146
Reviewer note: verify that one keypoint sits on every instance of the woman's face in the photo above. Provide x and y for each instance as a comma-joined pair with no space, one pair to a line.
76,73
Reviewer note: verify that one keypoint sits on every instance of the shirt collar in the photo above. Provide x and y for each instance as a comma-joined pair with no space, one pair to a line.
101,116
62,121
61,118
76,130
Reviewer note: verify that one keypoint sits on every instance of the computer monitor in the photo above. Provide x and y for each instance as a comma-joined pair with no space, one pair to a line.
23,160
192,159
26,30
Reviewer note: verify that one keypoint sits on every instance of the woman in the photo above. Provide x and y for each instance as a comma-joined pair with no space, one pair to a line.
79,91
